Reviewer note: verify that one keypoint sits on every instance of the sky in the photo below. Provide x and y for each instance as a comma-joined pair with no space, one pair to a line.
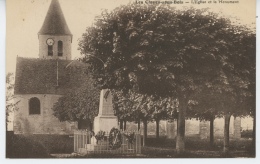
25,18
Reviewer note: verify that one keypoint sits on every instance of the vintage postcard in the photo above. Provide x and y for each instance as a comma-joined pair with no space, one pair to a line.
130,79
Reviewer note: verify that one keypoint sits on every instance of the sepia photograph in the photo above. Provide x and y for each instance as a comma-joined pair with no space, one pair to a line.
130,79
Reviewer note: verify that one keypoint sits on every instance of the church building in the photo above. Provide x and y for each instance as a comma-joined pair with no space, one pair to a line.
40,82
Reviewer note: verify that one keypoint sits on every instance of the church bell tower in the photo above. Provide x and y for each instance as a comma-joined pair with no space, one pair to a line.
55,37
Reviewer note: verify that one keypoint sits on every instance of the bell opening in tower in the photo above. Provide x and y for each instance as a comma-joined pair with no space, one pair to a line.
50,50
60,48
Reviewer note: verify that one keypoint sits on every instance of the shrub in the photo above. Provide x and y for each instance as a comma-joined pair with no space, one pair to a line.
23,147
247,134
54,144
38,145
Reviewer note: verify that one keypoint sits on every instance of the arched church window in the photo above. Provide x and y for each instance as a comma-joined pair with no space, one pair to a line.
50,50
60,48
34,106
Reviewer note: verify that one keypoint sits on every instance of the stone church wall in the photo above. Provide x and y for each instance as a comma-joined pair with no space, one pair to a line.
43,123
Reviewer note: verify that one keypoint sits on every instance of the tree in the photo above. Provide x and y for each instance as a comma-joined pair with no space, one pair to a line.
248,65
78,104
204,108
123,108
136,107
251,105
237,96
127,106
211,105
160,51
240,78
10,105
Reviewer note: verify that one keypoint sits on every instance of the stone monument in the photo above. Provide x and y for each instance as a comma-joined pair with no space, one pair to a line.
106,119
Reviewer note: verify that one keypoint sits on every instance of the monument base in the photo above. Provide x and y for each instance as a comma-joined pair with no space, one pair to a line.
105,123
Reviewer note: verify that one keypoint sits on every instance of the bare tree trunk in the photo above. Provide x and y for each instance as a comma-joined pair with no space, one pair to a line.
91,126
253,137
180,141
157,128
124,125
226,133
145,132
121,124
138,125
212,131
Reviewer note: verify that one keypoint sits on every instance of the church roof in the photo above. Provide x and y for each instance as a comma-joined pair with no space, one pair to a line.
54,23
39,76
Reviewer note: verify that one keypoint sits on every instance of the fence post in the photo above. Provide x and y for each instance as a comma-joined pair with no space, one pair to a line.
82,138
138,143
83,134
74,142
78,141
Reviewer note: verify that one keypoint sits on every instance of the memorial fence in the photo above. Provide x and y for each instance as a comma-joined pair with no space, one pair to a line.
85,143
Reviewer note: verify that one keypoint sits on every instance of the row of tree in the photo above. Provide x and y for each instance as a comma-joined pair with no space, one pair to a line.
164,64
134,107
155,54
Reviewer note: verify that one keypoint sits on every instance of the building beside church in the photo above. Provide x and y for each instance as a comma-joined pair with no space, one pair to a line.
39,82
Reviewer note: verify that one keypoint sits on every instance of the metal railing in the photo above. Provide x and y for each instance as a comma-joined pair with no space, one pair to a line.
85,143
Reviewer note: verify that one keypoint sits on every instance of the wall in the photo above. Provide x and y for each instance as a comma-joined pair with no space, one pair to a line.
43,123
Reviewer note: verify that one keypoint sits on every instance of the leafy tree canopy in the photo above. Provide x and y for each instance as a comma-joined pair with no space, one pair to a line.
79,103
10,104
133,106
237,95
161,50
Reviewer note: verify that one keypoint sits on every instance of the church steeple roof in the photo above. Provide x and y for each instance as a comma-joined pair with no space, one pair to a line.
54,23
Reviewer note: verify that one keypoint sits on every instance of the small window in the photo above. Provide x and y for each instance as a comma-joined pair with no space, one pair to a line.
60,48
34,106
50,50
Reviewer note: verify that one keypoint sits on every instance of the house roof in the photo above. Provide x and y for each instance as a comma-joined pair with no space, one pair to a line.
54,23
40,76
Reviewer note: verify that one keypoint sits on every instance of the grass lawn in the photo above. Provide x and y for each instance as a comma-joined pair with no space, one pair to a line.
44,146
196,148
